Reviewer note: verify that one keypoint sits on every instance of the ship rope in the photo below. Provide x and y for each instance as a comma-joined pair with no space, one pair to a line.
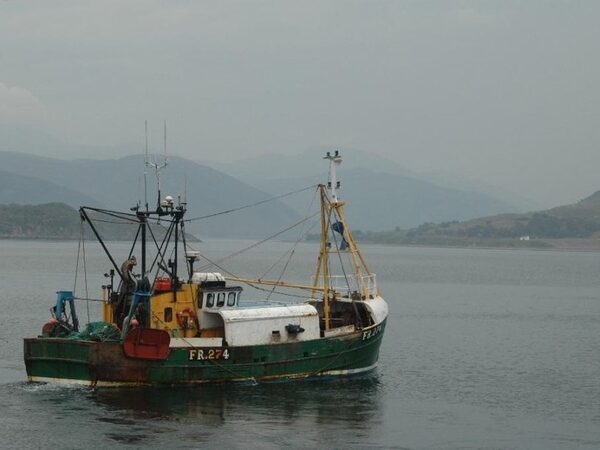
133,219
338,218
262,202
258,288
262,241
340,254
87,304
289,260
223,269
301,236
212,263
126,218
78,258
119,215
161,249
114,222
80,250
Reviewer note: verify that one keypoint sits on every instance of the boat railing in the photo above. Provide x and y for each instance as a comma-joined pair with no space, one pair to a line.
346,285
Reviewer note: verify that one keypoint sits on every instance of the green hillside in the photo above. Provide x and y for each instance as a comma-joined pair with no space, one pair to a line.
579,222
60,221
48,221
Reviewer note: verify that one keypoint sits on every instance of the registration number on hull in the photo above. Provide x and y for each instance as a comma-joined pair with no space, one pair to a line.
368,334
202,354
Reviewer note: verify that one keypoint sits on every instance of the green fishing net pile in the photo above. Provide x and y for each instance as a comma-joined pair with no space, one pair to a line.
97,331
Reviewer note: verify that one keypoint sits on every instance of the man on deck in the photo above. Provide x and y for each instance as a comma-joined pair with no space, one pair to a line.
128,283
128,277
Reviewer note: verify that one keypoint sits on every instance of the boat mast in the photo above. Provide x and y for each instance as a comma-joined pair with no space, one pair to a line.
324,256
332,209
326,210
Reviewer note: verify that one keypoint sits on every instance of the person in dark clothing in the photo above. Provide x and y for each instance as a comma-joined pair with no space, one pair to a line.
128,277
128,283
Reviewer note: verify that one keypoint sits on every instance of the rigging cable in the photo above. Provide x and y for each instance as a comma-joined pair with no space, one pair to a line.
339,253
289,260
133,218
336,214
96,219
78,253
80,246
251,205
256,244
87,304
215,264
117,214
301,236
212,263
160,250
283,255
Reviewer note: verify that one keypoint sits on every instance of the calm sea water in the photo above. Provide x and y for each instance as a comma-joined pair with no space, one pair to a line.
485,349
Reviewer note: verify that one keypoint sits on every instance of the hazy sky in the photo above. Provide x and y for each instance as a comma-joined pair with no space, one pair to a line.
502,91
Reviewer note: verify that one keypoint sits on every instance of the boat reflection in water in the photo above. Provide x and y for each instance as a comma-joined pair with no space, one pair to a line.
310,407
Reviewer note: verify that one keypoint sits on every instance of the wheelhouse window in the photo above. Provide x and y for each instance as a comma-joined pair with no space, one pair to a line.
231,299
217,299
210,300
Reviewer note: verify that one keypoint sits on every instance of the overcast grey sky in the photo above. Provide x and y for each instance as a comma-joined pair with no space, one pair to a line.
502,91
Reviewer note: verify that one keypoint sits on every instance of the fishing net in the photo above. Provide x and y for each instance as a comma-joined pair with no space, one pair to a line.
97,331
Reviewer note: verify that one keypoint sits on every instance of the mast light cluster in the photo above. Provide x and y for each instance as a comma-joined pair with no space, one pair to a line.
333,184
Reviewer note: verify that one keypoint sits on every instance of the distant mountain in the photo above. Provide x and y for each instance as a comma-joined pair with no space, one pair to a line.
26,190
381,194
520,200
380,201
307,164
25,139
118,184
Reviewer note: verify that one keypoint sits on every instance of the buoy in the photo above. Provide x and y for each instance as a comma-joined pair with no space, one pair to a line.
48,328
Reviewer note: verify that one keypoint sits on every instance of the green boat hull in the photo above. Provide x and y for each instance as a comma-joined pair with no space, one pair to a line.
105,363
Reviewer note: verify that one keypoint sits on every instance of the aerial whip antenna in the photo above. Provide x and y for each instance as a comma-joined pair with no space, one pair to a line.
157,167
146,166
185,183
165,136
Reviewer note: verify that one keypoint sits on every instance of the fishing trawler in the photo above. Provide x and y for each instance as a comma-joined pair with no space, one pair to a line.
165,329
